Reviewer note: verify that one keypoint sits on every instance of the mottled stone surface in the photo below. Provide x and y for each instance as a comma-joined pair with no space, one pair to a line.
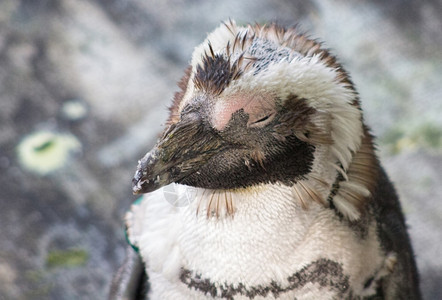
103,72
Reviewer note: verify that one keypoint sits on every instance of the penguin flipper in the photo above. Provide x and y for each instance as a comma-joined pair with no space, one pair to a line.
403,282
130,282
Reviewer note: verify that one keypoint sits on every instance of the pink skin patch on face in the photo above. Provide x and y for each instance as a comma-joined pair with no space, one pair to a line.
257,106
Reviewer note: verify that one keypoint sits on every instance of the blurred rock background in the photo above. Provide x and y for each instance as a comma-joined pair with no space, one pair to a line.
84,87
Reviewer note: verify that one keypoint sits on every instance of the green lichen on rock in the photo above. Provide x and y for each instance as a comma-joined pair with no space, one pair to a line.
430,135
425,135
43,152
74,110
67,258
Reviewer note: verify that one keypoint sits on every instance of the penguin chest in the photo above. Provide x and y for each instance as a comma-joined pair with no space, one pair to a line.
269,248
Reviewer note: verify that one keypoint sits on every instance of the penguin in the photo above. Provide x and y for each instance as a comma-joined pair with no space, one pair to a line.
265,183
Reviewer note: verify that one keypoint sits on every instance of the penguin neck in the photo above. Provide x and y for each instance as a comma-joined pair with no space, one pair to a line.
267,225
269,207
272,199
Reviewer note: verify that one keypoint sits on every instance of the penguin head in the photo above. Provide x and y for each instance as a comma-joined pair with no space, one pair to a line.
258,104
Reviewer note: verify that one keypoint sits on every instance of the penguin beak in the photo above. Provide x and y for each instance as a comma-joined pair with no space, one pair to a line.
151,174
183,149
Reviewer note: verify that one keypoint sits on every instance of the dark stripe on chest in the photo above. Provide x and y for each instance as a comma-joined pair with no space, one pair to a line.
324,272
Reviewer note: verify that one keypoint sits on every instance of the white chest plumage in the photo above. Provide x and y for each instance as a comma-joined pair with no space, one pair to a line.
269,248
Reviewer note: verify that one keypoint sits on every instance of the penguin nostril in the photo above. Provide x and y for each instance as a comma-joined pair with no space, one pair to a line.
263,121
